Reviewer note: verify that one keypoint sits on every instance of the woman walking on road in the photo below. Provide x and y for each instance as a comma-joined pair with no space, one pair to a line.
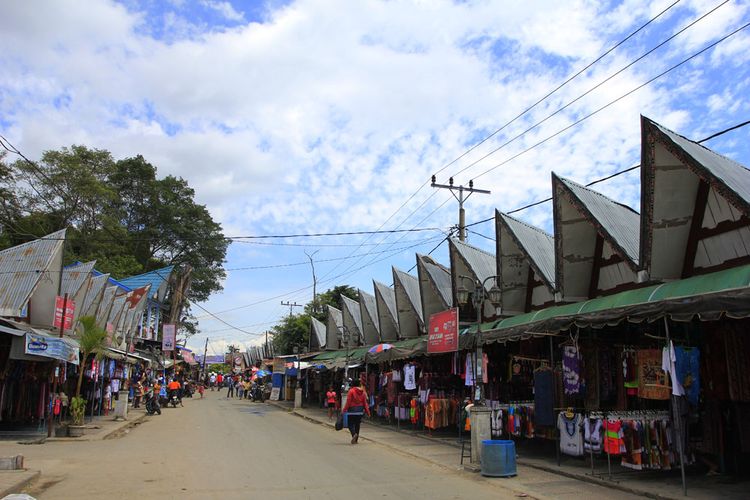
356,406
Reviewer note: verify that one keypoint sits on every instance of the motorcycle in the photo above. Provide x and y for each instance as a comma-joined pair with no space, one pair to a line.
257,393
174,400
152,405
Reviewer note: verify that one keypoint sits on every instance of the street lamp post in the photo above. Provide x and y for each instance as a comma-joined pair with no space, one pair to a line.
481,416
478,297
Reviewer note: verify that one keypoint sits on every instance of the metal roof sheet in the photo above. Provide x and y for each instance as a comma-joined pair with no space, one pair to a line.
75,276
410,285
388,295
369,306
95,292
333,327
155,278
621,223
481,263
732,174
538,245
440,277
319,330
350,308
22,267
105,306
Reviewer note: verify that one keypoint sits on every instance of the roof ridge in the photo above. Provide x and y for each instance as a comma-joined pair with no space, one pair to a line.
455,240
565,180
524,223
171,266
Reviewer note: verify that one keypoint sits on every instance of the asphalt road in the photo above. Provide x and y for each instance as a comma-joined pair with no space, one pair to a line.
224,449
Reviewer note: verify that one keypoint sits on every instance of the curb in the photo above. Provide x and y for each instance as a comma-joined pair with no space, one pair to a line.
129,425
20,485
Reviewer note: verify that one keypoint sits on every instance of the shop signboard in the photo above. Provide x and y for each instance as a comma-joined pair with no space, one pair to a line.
50,347
168,334
70,308
443,333
275,393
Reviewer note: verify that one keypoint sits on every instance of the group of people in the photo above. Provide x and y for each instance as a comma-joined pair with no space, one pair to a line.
164,389
238,386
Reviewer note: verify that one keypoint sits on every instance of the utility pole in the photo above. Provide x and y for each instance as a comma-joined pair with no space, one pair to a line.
291,306
461,199
205,353
315,297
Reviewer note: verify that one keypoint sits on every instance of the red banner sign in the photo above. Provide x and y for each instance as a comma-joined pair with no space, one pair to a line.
70,308
443,333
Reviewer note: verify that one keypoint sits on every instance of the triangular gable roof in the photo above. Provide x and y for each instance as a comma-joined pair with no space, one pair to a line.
370,322
319,332
682,180
22,267
385,299
95,295
440,276
352,317
537,245
105,306
434,287
158,279
581,215
75,276
479,262
408,303
333,328
621,223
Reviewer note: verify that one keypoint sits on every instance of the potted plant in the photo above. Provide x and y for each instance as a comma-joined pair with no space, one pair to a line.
77,411
92,339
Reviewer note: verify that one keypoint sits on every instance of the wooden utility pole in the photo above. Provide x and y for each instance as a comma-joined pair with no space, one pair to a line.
461,199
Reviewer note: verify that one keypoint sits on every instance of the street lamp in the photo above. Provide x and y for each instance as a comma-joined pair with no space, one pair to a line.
477,299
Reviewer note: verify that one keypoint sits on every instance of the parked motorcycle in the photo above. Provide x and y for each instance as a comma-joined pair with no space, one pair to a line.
174,399
152,405
256,392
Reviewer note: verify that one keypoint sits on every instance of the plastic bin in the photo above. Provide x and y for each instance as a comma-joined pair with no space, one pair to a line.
498,458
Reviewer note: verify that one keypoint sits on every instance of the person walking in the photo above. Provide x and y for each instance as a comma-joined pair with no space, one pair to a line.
331,401
137,394
356,406
230,387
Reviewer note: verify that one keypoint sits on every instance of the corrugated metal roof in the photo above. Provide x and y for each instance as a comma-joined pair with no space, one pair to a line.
352,316
95,293
410,285
481,263
538,245
319,329
105,306
155,278
620,222
732,174
21,268
370,306
118,306
388,295
75,276
441,277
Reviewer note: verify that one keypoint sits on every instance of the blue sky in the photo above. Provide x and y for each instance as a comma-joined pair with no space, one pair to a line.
315,116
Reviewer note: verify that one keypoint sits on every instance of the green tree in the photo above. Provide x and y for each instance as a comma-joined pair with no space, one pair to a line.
331,297
292,331
92,340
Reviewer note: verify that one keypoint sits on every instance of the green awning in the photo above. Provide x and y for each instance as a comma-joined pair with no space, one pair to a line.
707,296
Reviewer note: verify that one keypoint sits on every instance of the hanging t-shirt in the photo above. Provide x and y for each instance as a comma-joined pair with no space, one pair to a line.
592,435
668,357
410,377
571,371
613,444
687,365
571,438
544,397
115,385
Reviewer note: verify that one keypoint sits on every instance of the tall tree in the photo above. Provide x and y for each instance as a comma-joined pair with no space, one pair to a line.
331,297
292,331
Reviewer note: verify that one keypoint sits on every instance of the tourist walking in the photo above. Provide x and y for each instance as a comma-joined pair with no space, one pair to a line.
356,406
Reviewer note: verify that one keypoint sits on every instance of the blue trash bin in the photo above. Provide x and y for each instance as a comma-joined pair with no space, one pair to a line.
498,458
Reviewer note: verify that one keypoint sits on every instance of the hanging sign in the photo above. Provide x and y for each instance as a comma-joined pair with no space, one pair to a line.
443,333
168,334
51,347
70,308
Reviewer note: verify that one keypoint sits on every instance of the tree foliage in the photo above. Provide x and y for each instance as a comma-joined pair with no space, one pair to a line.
119,214
331,297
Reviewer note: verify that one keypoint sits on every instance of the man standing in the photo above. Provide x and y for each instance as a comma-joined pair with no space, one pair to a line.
230,386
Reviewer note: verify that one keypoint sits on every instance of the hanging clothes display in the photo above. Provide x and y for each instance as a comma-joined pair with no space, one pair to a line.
571,371
653,382
410,377
687,365
469,378
630,371
571,435
613,444
592,435
544,413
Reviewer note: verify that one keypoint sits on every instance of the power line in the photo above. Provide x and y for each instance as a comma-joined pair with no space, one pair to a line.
570,103
602,108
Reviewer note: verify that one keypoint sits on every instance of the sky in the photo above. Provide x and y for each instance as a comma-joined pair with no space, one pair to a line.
315,116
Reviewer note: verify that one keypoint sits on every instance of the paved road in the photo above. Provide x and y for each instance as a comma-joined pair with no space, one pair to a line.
225,449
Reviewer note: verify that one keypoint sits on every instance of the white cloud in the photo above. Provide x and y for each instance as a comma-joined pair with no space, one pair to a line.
225,9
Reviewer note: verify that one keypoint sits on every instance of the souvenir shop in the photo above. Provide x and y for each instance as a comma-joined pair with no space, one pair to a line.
103,380
630,397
